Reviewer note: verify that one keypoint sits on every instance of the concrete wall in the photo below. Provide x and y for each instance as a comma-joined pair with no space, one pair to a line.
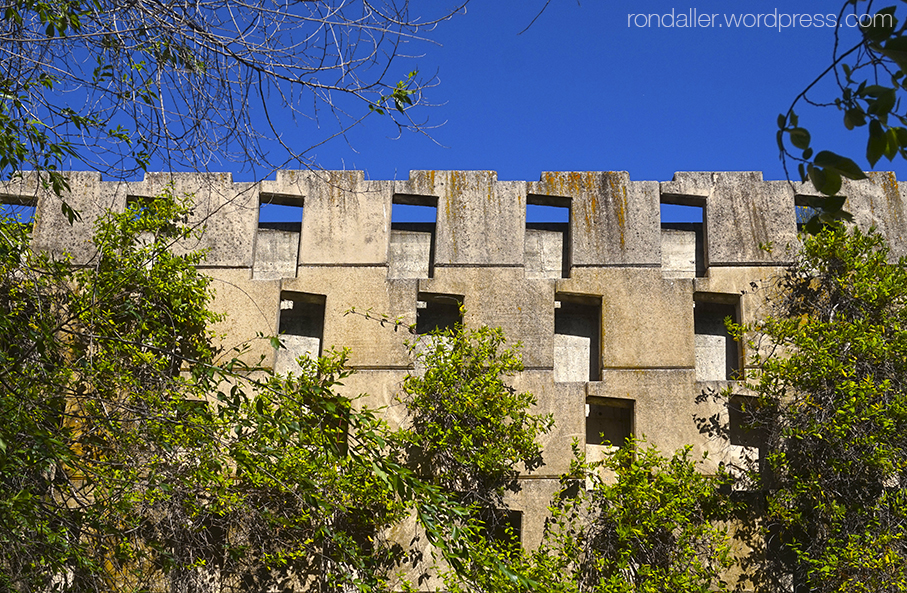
645,345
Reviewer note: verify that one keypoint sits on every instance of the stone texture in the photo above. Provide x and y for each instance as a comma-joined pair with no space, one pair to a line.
637,281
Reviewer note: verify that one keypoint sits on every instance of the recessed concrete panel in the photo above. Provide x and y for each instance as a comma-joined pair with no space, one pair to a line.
367,290
544,249
276,254
717,353
480,219
251,307
613,220
295,347
742,214
411,250
503,297
647,321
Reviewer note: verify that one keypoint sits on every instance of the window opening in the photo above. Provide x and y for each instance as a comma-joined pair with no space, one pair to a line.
803,211
437,312
609,421
277,240
412,241
577,338
683,237
18,209
717,353
301,328
546,252
503,526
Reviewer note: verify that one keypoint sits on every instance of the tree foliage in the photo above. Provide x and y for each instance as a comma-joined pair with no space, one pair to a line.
870,74
469,430
190,83
832,404
133,458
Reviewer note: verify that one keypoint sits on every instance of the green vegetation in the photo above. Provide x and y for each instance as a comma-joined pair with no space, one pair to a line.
131,458
832,413
871,76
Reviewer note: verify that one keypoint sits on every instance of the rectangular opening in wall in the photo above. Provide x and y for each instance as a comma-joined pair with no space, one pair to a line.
503,526
17,209
577,338
412,243
717,353
803,211
609,421
437,312
742,426
277,241
546,252
301,328
683,253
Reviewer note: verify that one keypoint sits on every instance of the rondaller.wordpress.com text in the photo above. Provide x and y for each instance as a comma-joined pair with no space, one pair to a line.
691,17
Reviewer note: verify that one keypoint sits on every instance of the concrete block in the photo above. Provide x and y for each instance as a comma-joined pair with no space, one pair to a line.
877,202
251,307
678,254
665,408
480,220
742,213
613,221
647,321
225,212
503,297
367,290
411,251
566,403
544,253
346,219
276,254
52,231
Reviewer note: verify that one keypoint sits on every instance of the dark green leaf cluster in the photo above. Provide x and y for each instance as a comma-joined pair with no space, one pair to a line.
870,78
833,408
131,458
470,431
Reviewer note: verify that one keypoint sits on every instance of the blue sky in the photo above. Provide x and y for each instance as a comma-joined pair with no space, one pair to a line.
590,87
582,90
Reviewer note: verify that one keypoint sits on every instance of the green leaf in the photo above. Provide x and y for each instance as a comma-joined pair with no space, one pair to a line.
825,181
844,166
881,26
893,144
799,137
877,144
854,118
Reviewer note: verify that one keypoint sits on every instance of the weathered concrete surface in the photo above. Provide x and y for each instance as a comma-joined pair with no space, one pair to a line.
503,297
276,254
614,221
365,289
253,307
647,321
543,253
742,213
642,280
411,250
480,220
879,202
564,401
